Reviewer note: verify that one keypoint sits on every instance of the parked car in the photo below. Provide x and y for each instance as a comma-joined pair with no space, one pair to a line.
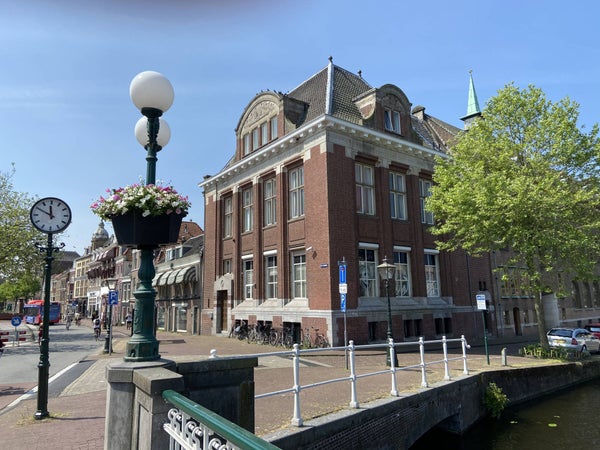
578,339
594,328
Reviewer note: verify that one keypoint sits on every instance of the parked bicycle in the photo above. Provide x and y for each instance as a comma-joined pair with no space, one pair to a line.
318,341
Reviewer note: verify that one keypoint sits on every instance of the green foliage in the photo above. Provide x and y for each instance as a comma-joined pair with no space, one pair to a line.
495,400
24,287
18,254
524,177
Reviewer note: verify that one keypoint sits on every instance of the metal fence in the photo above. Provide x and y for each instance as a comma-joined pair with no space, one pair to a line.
193,427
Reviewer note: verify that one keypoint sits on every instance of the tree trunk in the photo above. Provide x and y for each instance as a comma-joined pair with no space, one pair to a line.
541,320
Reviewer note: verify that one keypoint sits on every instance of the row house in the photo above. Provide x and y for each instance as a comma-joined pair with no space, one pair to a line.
335,170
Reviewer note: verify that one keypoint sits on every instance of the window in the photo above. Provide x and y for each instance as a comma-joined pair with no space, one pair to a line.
248,210
296,182
255,139
227,216
432,275
367,267
298,275
248,278
247,147
270,206
392,121
365,193
173,253
397,196
401,261
424,192
271,276
264,135
226,266
273,127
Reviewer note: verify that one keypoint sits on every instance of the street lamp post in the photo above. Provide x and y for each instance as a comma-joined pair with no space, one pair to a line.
387,272
152,94
112,287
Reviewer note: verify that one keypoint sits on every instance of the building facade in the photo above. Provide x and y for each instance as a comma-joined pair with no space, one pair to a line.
335,170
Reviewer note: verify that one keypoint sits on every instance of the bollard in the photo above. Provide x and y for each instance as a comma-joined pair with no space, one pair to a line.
503,353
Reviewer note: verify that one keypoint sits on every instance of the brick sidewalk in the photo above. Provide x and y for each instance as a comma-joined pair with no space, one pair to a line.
77,416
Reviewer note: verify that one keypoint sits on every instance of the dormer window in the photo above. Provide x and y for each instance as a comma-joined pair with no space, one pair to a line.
259,136
392,121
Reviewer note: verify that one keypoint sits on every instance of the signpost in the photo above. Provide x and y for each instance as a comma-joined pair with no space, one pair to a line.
481,305
343,288
16,321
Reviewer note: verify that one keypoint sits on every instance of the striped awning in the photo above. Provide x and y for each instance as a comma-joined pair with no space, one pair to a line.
175,276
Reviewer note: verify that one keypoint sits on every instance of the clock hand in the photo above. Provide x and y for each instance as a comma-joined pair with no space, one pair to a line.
46,212
51,215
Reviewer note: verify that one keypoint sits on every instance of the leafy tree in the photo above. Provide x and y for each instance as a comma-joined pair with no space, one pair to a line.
524,177
18,255
25,287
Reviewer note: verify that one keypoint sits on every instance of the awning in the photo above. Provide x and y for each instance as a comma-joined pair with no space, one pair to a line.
157,277
172,276
186,274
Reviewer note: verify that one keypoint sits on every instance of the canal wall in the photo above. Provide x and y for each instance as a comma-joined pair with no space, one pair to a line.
398,422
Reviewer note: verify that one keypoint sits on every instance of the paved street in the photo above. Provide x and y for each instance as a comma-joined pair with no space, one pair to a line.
77,397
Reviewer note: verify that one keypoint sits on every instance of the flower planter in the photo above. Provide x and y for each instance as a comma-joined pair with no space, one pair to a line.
134,230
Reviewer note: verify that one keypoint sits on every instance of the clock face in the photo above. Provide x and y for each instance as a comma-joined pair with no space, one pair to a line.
50,215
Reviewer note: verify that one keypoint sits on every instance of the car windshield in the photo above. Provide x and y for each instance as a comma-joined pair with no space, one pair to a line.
563,333
594,329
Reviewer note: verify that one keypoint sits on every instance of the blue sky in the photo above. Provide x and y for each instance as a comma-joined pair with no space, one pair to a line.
66,119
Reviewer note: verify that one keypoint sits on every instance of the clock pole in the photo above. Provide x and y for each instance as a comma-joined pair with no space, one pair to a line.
49,215
44,364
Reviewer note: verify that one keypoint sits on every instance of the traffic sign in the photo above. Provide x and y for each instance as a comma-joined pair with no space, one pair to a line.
480,301
113,297
15,321
343,302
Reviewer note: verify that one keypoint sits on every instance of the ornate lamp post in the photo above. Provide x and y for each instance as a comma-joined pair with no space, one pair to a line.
152,94
386,272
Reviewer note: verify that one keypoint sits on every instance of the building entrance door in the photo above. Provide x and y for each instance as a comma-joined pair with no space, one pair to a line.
222,313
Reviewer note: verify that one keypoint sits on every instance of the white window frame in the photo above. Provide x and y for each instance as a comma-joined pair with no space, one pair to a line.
248,266
365,189
246,144
367,270
432,273
403,275
264,133
298,275
270,276
296,191
397,195
274,131
270,202
392,121
247,210
255,140
227,216
424,192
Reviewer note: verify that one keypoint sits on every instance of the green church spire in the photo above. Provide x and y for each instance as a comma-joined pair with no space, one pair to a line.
473,110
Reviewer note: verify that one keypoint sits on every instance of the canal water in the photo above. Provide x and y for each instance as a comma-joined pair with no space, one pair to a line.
567,420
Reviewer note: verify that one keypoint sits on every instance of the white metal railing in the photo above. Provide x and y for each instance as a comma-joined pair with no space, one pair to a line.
353,376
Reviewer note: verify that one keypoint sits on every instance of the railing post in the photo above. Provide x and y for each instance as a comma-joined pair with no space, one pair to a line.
392,350
422,353
353,396
297,419
464,352
445,348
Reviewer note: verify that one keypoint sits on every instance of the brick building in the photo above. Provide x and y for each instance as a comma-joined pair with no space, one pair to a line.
334,170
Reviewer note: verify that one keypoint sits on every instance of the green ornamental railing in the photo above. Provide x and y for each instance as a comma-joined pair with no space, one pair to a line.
192,426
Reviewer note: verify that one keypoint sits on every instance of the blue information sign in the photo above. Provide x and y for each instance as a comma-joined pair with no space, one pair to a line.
342,273
113,297
15,321
343,302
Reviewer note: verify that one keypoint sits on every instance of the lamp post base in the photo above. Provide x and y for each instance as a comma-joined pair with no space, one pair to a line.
138,350
388,360
107,344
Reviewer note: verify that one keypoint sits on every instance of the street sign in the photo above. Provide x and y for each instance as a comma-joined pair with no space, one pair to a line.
480,301
343,288
15,321
113,297
343,302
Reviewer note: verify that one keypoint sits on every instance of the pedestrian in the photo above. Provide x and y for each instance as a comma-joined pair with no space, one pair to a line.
1,347
128,320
